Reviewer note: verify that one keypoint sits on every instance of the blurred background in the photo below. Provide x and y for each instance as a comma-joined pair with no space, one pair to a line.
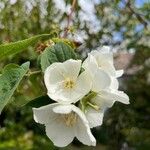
124,25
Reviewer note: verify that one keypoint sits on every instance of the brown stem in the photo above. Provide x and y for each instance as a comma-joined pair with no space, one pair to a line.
69,18
138,16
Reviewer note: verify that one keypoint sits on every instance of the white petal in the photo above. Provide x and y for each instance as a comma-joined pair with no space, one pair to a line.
82,129
111,96
108,67
94,117
99,77
114,83
84,134
105,61
105,49
66,96
102,56
95,53
103,101
56,129
122,97
83,84
72,68
53,75
101,80
63,109
58,72
60,95
90,64
44,114
60,134
119,73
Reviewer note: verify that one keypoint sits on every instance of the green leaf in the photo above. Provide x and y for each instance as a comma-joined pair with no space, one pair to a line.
17,47
60,52
9,81
39,101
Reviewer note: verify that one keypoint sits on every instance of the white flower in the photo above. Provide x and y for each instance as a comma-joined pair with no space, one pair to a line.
103,100
63,82
105,84
100,79
63,123
103,60
95,117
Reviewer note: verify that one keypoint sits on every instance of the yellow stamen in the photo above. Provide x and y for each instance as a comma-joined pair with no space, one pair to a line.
70,119
69,84
93,106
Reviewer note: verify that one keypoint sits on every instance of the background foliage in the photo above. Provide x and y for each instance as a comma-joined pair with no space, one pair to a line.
118,23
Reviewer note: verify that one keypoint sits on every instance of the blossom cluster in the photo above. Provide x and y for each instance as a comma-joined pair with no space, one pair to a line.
82,92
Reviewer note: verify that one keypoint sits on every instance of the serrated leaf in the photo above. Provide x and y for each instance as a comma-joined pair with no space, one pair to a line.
39,101
60,52
9,81
17,47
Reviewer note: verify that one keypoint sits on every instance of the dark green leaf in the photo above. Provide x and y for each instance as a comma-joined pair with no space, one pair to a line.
9,80
17,47
60,52
40,101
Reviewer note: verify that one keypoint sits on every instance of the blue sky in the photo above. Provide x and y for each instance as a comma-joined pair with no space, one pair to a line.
141,2
138,3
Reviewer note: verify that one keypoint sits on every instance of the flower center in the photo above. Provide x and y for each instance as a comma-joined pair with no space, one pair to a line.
70,119
69,84
86,101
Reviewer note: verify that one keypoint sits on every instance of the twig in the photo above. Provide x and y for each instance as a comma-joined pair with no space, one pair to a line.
69,18
138,16
32,73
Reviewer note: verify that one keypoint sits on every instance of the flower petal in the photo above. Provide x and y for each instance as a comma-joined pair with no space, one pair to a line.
105,60
122,97
84,134
105,49
90,64
94,117
111,96
101,80
108,67
99,77
83,85
58,72
61,95
57,130
114,83
119,73
66,96
102,101
72,68
63,109
53,75
82,129
104,54
44,114
59,133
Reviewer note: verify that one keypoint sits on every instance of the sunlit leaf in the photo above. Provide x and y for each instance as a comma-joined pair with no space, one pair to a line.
17,47
60,52
9,81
